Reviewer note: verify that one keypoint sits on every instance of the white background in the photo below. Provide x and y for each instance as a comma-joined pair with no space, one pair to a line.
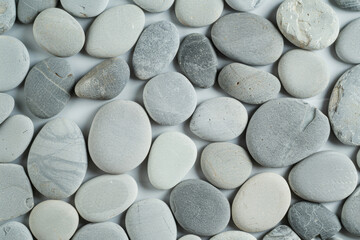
82,111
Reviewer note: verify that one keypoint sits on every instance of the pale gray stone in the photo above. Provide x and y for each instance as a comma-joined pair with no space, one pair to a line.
350,213
349,4
154,5
27,10
7,15
244,5
345,47
84,8
7,104
281,232
190,237
97,231
14,231
233,235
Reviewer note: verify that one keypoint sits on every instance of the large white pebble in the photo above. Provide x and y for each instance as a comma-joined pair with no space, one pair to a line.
154,5
233,235
84,8
7,104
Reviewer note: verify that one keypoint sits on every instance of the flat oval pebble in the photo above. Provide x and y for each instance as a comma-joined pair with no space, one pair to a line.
349,4
350,213
171,157
303,74
190,237
345,47
233,235
7,15
120,137
58,32
248,84
197,60
199,207
105,197
14,62
225,165
281,232
219,119
155,49
105,81
169,98
48,87
57,161
15,190
244,5
284,131
53,220
105,230
310,220
308,24
154,5
7,104
150,219
266,191
115,31
14,231
27,10
247,38
84,8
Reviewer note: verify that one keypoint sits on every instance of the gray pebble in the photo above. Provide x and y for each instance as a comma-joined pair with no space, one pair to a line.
27,10
284,131
14,231
7,15
244,5
154,5
248,84
7,104
84,8
349,4
155,49
247,38
358,158
48,86
310,220
199,207
281,232
105,81
350,213
105,230
345,47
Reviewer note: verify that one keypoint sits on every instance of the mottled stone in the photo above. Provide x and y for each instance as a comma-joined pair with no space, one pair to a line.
7,15
350,213
244,5
154,5
233,235
345,47
281,232
7,104
27,10
349,4
14,231
84,8
105,230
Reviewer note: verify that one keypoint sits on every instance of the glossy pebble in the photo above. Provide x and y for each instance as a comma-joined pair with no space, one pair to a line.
27,10
281,232
84,8
154,5
190,237
349,214
7,104
345,47
96,231
7,15
14,231
353,5
233,235
244,5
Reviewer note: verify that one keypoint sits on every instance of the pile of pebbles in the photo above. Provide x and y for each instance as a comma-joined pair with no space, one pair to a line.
281,132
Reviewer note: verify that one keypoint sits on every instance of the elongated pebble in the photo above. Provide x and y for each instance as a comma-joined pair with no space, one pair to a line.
190,237
154,5
349,214
84,8
349,4
7,104
233,235
96,231
7,15
244,5
281,232
14,231
345,47
27,10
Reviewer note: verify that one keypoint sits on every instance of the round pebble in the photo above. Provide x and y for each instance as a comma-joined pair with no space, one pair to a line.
27,10
169,98
7,15
281,232
105,230
84,8
244,5
225,165
14,231
154,5
266,191
345,47
353,5
7,104
190,237
350,213
233,235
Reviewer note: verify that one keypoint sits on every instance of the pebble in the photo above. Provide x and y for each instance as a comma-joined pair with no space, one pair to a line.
154,6
7,15
358,158
248,84
350,213
247,38
7,104
115,31
48,87
219,119
308,24
169,98
344,107
353,5
53,220
105,81
266,191
244,5
233,235
197,60
16,133
14,62
310,220
284,131
105,197
171,157
156,48
27,10
58,32
189,237
57,161
281,232
199,207
194,13
14,231
120,137
105,230
150,219
345,48
226,165
84,8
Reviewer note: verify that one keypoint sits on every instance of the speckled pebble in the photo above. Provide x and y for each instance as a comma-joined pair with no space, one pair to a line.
7,15
244,5
27,10
350,213
349,4
7,104
14,231
233,235
345,47
84,8
154,5
105,230
281,232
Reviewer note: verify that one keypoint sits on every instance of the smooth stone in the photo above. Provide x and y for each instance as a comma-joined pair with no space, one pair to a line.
84,8
266,191
105,197
169,98
105,230
281,232
284,131
247,38
156,48
226,165
53,220
303,74
194,13
27,10
344,107
353,5
165,166
190,237
15,190
345,48
120,137
219,119
7,15
197,60
48,87
309,24
154,5
150,219
233,235
244,5
58,33
358,158
248,84
16,133
115,31
199,207
14,62
14,231
350,213
310,220
57,161
7,104
105,81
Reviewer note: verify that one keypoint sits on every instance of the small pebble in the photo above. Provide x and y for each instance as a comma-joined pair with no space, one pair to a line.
244,5
353,5
14,231
358,158
7,15
27,10
84,8
189,237
154,6
350,213
345,47
105,230
281,232
7,104
233,235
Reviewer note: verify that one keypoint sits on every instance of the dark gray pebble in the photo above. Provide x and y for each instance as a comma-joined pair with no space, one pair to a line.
349,4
